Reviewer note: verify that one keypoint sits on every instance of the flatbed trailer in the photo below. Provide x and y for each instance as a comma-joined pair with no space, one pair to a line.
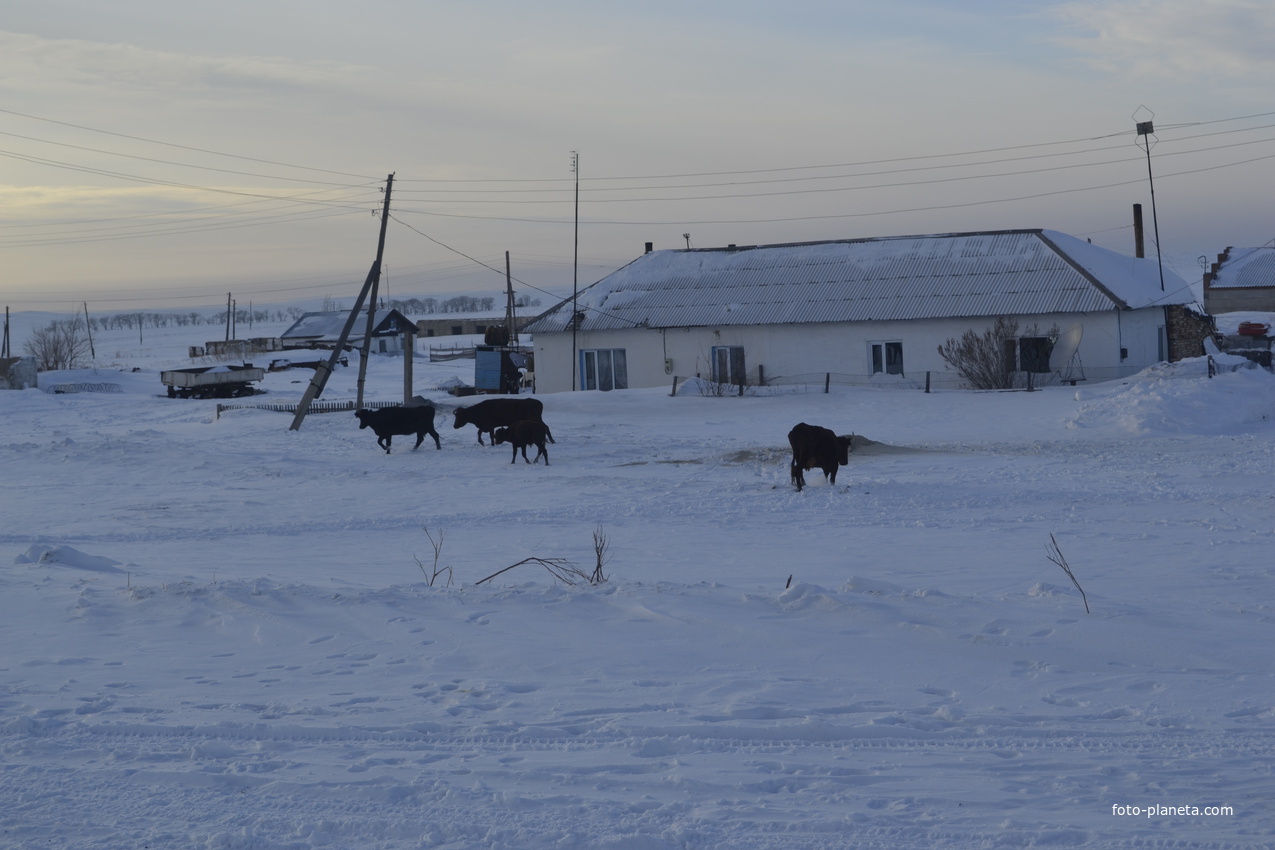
212,381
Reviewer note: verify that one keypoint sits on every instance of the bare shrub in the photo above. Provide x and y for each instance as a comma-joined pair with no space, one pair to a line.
1056,556
981,359
61,344
433,576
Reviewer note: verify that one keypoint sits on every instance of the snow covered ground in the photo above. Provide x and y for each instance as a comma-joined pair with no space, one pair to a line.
219,633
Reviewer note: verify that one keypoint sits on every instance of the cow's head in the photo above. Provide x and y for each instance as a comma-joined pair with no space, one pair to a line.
462,417
362,416
845,445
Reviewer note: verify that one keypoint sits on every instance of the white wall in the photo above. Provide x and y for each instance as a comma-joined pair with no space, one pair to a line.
790,350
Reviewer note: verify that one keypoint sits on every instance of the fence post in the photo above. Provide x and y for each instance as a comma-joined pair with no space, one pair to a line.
827,381
927,381
673,392
1212,367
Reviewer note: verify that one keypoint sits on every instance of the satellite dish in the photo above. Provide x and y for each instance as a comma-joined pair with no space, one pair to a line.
1066,354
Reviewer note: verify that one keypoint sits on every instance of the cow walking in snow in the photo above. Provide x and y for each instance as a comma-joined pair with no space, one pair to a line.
527,432
495,413
390,421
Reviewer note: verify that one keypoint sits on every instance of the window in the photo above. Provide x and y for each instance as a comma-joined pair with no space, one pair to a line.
728,365
604,369
887,357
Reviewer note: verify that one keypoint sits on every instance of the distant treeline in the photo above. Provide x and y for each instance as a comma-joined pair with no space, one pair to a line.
129,321
459,304
245,317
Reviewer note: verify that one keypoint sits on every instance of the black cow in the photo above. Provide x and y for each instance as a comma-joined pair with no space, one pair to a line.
814,446
495,413
388,421
526,432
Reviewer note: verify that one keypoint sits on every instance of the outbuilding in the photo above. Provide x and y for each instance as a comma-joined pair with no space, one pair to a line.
1241,281
323,329
865,311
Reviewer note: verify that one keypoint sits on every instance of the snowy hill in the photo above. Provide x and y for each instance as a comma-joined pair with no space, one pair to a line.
222,633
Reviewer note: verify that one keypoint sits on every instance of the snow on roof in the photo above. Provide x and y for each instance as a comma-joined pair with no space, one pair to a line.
1018,272
1246,268
328,325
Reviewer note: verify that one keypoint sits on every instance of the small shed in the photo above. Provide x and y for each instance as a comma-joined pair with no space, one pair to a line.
323,329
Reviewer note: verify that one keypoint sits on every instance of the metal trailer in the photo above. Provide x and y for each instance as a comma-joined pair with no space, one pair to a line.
212,381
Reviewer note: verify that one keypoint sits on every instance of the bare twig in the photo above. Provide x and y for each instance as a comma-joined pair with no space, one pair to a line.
560,568
438,550
1057,557
600,546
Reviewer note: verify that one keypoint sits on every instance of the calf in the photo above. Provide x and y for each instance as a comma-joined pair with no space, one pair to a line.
527,432
388,421
495,413
812,447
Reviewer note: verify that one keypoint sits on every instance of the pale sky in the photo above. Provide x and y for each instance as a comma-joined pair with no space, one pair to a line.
160,154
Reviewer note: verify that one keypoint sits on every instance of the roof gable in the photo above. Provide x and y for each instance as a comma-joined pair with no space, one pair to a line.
1018,272
327,325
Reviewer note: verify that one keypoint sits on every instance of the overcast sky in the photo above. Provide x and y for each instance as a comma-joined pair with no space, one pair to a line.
164,154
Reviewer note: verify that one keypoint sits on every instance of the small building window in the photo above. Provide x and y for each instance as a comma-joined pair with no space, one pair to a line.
887,358
604,369
728,365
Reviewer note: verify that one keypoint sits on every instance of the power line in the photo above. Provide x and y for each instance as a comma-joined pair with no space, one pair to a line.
184,147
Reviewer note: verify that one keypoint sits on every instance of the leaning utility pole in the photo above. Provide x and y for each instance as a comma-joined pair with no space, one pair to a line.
324,370
87,328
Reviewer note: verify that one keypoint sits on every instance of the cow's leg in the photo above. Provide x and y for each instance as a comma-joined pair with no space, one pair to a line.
385,443
420,438
438,444
514,459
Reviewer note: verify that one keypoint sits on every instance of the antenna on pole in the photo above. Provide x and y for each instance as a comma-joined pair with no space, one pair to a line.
1146,133
324,370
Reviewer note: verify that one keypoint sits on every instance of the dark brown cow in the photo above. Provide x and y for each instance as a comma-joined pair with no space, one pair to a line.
812,447
495,413
389,421
528,432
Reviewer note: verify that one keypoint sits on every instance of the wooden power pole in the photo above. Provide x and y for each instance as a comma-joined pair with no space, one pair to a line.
324,370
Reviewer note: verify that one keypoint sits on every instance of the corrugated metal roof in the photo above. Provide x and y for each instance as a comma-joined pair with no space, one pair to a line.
1020,272
1246,268
328,325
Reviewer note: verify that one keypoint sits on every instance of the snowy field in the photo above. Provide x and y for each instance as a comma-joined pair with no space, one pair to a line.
220,633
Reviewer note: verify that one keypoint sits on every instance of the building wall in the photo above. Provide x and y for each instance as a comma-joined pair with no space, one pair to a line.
655,357
1234,300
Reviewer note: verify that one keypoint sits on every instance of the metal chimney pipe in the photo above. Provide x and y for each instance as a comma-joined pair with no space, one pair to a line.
1139,246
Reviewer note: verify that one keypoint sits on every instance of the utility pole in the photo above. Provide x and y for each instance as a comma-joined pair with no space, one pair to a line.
4,346
87,328
1146,130
575,274
324,370
227,317
509,305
